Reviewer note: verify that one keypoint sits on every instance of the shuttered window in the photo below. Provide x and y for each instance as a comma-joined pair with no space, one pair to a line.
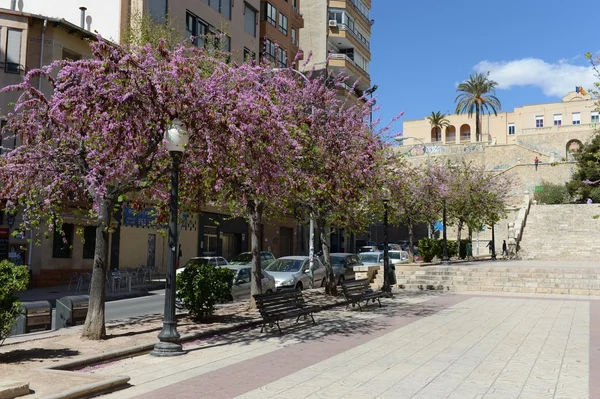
13,51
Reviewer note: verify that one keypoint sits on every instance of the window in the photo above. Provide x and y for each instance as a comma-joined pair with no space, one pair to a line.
595,117
243,276
270,50
511,129
336,15
197,28
225,8
557,119
248,54
282,58
70,55
89,242
61,244
539,121
270,14
157,10
13,51
294,37
283,24
576,118
250,21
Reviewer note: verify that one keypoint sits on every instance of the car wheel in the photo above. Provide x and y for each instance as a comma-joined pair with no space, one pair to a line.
269,292
341,280
299,287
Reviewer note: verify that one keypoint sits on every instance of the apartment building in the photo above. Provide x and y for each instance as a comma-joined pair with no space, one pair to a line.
575,117
338,33
280,25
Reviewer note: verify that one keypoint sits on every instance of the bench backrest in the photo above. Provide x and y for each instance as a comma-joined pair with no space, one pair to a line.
355,287
279,302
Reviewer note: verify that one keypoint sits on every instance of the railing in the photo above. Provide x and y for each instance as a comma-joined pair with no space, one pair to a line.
295,42
348,59
356,35
295,9
562,127
358,8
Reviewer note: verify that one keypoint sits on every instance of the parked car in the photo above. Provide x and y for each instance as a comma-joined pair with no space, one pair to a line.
368,248
371,258
241,282
291,272
206,260
398,256
245,258
391,247
343,266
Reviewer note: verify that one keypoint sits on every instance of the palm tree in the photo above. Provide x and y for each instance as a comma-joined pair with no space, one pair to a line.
437,120
477,94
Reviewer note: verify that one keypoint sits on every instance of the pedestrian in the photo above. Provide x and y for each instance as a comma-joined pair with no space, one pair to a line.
490,245
589,201
469,250
536,161
504,249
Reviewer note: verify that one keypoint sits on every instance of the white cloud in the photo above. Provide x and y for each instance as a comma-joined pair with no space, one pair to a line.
554,79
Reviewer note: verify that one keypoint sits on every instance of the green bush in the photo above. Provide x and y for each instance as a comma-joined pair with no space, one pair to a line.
12,279
200,287
429,248
552,194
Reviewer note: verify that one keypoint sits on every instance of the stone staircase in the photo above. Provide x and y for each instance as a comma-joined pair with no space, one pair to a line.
518,279
562,232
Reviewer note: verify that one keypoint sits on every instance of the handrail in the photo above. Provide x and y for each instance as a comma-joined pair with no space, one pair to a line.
345,57
357,36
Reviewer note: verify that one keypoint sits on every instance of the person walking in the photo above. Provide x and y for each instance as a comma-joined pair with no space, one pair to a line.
490,245
504,249
469,250
536,161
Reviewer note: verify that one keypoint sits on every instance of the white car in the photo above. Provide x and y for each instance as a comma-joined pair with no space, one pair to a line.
398,257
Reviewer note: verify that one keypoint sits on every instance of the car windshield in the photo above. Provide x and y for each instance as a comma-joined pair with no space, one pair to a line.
285,265
242,259
199,261
370,258
337,260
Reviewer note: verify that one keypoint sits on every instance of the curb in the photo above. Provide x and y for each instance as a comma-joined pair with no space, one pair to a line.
92,389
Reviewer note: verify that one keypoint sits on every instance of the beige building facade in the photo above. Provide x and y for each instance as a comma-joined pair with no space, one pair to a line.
574,116
338,34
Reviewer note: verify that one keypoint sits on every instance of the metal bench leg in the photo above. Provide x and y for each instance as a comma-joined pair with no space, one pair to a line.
379,302
278,327
263,327
359,307
313,319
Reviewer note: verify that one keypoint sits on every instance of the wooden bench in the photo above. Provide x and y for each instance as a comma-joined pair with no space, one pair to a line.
283,305
356,291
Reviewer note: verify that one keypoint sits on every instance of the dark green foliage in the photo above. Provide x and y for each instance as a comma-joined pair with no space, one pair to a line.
429,248
200,287
588,168
552,194
12,279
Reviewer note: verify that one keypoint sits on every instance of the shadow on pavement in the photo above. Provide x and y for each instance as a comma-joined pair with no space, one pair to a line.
21,355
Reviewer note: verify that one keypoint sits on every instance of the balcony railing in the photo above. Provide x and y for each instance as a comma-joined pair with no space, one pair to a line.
561,128
356,6
338,56
356,35
296,10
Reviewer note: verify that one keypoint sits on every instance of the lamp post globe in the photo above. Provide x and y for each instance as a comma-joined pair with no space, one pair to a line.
176,139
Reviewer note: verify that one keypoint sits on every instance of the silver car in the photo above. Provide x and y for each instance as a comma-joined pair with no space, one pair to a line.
245,258
292,272
343,266
371,258
241,282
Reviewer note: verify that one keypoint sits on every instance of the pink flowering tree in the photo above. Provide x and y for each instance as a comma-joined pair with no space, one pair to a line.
99,138
341,165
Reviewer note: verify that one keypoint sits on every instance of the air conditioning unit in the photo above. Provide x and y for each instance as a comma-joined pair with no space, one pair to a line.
333,23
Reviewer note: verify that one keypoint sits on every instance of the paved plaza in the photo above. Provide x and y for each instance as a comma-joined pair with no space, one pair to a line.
417,346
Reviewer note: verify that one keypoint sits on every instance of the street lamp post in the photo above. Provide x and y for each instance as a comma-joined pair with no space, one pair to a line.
445,258
176,139
385,197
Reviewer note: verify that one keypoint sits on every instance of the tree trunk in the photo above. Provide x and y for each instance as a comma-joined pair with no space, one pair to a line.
477,127
254,217
330,283
94,327
459,228
411,250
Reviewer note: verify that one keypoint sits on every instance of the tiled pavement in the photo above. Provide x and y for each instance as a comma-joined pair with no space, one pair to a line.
446,346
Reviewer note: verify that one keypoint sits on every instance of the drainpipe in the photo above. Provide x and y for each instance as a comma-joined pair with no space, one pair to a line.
42,53
13,5
82,23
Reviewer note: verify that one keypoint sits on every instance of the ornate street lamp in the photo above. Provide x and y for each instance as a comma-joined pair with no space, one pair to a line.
385,197
176,139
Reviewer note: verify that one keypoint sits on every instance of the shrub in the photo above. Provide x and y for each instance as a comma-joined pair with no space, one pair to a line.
552,194
200,287
12,279
429,248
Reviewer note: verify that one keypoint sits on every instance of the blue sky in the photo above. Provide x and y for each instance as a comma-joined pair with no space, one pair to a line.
420,51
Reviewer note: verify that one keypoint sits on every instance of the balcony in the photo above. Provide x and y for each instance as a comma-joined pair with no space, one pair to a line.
357,36
343,63
560,129
297,18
